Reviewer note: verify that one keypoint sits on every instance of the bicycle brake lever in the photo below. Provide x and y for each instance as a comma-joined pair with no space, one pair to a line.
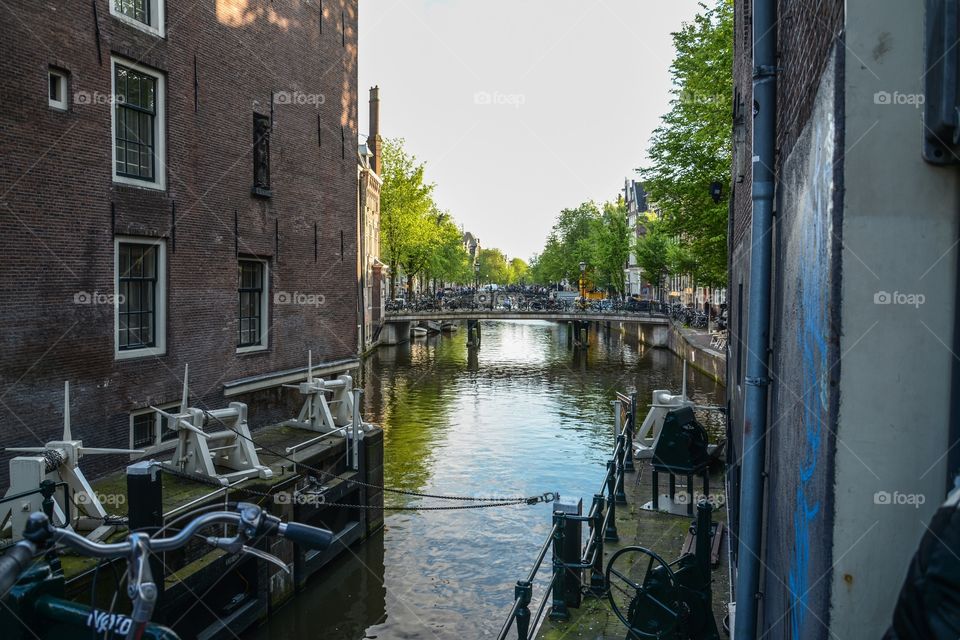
230,545
263,555
235,545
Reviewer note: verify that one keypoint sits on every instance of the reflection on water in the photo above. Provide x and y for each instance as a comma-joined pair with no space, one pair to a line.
521,416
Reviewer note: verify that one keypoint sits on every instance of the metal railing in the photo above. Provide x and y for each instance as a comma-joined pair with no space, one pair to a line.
602,523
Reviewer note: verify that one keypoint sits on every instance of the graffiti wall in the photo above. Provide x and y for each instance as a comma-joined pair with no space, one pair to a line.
804,371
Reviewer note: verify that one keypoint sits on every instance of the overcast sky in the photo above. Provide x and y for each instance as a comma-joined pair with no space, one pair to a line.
520,107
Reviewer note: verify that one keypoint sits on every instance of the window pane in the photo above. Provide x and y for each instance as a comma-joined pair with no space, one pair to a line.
250,292
143,430
137,283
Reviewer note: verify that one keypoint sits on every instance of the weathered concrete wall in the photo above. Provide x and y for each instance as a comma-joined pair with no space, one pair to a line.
799,500
899,233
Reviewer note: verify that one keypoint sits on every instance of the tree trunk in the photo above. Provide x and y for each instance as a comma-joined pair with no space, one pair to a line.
393,280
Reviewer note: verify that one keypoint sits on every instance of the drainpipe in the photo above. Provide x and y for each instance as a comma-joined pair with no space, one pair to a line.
750,533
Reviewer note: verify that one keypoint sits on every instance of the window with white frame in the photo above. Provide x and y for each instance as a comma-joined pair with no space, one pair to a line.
137,121
147,15
140,301
252,294
57,89
149,429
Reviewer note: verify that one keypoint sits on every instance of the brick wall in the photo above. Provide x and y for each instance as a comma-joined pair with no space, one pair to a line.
59,207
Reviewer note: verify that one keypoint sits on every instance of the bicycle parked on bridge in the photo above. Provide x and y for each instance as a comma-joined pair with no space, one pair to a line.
32,594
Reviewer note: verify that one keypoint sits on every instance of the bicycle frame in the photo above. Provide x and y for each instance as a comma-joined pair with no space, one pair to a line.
36,607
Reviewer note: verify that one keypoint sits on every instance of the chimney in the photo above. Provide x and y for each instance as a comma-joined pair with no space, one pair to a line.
373,140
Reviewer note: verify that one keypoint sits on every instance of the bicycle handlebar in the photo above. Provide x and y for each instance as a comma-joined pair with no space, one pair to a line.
306,535
13,563
251,522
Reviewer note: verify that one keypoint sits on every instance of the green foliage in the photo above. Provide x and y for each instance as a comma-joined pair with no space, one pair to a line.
692,147
493,267
652,251
610,240
519,271
406,203
417,238
585,234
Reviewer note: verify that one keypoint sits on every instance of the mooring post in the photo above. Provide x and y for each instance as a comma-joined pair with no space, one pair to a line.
570,326
621,496
524,593
559,609
598,586
145,496
611,535
702,537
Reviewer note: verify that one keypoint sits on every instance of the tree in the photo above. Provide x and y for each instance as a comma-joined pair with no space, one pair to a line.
652,251
448,260
493,266
405,204
519,271
692,148
610,241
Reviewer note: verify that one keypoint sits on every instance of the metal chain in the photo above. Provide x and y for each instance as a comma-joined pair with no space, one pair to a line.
486,505
188,475
545,497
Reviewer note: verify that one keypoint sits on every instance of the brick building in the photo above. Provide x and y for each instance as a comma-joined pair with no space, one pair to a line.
372,270
178,186
859,399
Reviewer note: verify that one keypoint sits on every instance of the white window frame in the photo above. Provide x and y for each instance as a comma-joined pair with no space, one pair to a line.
61,76
160,317
159,181
158,445
264,307
157,18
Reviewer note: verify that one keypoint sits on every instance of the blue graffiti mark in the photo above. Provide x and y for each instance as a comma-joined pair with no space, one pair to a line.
813,296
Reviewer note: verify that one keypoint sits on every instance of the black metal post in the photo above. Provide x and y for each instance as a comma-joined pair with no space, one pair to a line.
611,535
524,593
559,609
47,489
628,465
656,488
704,526
598,585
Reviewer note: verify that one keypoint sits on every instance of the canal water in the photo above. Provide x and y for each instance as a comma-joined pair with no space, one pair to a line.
522,415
